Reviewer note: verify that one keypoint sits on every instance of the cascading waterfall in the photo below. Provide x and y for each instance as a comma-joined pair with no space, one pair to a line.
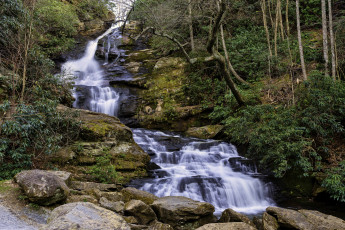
208,170
201,170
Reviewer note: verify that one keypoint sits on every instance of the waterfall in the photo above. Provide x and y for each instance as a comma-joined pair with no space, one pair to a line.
201,170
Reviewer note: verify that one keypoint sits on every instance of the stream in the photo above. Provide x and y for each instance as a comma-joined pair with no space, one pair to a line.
203,170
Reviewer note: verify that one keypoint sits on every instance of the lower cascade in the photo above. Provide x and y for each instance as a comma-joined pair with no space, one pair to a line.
203,170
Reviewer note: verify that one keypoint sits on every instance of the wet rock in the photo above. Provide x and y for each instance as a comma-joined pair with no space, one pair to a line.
42,187
323,221
290,219
136,194
133,67
117,206
258,223
230,215
141,211
269,222
227,226
183,213
205,132
128,107
81,198
86,216
88,186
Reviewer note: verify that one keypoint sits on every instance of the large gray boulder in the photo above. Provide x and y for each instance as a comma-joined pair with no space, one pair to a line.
323,221
42,187
290,219
117,206
86,216
269,222
183,213
141,211
136,194
227,226
229,215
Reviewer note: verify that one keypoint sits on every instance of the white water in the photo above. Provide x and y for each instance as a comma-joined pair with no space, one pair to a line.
201,171
193,168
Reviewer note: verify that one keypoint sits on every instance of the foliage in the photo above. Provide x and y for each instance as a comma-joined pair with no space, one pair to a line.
91,9
104,171
32,130
335,182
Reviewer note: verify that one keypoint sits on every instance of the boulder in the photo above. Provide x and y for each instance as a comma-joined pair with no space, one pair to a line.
63,155
93,27
290,219
183,213
269,222
227,226
169,62
86,216
42,187
81,198
323,221
156,225
141,211
111,196
229,215
64,176
205,132
117,207
130,193
258,223
89,186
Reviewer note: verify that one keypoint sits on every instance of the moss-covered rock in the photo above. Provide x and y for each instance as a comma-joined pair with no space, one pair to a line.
205,132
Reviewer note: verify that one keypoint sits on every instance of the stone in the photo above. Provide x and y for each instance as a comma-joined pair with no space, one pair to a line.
112,196
42,187
183,213
230,215
88,186
290,219
86,216
63,155
227,226
81,198
133,67
130,193
269,222
141,211
93,27
156,225
117,207
64,176
172,62
323,221
131,219
205,132
258,223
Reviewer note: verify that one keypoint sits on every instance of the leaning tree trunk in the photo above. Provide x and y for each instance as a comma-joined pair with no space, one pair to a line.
300,45
325,35
191,34
219,58
331,33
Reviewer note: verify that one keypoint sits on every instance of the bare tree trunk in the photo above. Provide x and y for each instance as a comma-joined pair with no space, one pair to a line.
281,20
233,71
287,18
191,25
300,45
264,18
276,31
331,33
325,35
220,59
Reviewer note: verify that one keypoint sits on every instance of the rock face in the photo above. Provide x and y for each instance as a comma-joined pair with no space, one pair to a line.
136,194
303,219
42,187
141,211
183,213
86,216
205,132
230,215
227,226
102,135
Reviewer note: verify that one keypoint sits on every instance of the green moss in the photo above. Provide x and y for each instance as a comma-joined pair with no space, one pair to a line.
4,187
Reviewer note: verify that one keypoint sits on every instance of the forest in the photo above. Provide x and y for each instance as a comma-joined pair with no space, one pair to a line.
271,72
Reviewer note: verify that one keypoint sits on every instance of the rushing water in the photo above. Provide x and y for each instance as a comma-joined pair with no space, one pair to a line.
204,170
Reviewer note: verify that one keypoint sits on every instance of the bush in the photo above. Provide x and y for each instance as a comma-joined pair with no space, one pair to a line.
335,182
91,9
33,130
104,171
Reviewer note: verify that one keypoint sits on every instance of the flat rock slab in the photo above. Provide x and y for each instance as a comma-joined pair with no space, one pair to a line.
9,221
86,216
227,226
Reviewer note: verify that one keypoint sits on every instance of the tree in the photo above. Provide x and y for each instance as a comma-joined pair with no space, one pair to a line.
325,35
331,34
300,45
